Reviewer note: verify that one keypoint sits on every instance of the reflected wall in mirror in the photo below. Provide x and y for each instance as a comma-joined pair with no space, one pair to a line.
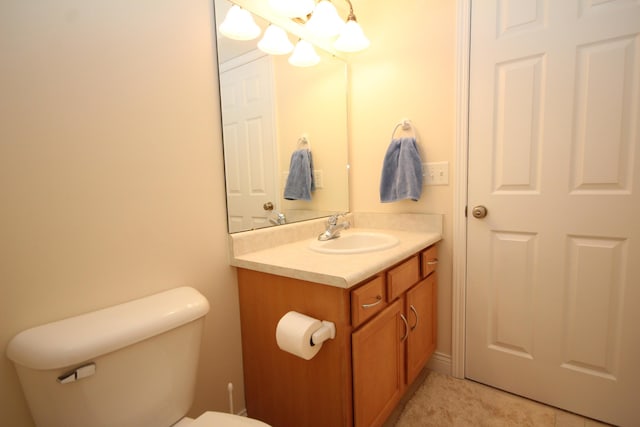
271,109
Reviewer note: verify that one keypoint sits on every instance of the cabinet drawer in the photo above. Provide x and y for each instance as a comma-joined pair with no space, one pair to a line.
367,300
429,260
402,277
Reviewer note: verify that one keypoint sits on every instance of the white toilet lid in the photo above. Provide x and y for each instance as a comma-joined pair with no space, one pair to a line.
220,419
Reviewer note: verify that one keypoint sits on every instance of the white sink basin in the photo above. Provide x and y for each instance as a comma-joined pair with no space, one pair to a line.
355,242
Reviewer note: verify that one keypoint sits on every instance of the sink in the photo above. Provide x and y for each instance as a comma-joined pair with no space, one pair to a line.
355,242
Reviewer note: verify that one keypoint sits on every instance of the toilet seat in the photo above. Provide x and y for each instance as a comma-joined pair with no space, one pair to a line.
221,419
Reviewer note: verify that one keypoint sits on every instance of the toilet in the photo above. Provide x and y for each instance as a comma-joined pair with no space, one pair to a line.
129,365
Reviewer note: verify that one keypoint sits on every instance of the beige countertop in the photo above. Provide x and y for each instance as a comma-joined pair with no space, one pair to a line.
296,260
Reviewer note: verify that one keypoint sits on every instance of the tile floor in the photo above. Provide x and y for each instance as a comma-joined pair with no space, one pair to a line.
444,401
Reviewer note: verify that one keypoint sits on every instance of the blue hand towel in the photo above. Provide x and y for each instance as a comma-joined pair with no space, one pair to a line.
300,182
401,171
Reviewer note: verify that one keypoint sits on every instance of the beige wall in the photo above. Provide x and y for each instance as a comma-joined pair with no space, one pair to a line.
111,178
408,72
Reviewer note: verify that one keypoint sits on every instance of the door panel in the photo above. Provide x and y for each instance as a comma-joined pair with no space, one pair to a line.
593,305
509,308
553,281
606,73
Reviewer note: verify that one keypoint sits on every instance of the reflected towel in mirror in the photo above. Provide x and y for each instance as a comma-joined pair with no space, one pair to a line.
401,171
300,182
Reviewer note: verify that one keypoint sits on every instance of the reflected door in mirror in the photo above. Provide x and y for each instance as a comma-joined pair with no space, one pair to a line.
250,152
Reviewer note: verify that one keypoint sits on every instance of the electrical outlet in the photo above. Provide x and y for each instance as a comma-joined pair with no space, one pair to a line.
435,173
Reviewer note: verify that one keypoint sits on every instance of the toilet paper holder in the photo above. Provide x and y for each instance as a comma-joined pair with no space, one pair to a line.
302,335
326,331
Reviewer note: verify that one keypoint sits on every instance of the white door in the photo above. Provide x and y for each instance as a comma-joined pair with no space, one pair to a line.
553,279
249,139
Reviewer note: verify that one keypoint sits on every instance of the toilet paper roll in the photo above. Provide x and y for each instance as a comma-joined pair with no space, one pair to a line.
293,334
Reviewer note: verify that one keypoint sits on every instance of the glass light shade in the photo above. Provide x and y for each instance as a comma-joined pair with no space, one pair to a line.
304,55
325,21
275,41
239,25
292,8
352,38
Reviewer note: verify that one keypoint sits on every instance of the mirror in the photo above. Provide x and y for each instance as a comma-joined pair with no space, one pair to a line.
271,109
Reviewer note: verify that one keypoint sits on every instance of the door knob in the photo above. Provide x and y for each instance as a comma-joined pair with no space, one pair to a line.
479,211
268,206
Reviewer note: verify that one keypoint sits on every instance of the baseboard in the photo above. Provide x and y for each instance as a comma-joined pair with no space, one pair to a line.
440,363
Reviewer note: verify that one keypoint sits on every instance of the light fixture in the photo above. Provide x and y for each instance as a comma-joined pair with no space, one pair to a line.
322,21
304,55
352,38
292,8
275,41
239,24
325,21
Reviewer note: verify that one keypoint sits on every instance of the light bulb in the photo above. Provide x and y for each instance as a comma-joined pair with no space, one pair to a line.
275,41
239,25
325,21
352,38
304,55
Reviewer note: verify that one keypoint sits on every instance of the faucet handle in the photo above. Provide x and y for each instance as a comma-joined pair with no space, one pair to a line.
333,219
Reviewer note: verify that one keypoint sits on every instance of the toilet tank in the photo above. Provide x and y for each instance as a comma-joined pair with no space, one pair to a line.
132,364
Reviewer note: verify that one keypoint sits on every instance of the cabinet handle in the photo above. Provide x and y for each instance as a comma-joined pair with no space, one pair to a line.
415,313
406,328
373,304
432,261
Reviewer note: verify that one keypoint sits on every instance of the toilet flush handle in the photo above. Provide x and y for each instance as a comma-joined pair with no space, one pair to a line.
78,373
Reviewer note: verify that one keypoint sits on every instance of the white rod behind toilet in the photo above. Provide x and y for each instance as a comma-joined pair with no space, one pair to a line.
230,390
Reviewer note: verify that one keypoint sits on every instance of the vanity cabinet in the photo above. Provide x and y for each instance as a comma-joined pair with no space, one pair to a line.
385,334
390,351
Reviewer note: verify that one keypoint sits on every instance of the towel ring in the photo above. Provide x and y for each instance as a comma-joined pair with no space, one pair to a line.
406,125
303,142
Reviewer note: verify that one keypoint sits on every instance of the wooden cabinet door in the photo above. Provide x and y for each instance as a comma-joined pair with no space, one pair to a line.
378,366
421,316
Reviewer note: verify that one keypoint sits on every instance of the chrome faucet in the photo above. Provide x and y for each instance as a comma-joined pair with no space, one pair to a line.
280,219
333,227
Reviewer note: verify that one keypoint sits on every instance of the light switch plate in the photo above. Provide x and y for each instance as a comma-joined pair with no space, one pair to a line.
435,173
318,177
